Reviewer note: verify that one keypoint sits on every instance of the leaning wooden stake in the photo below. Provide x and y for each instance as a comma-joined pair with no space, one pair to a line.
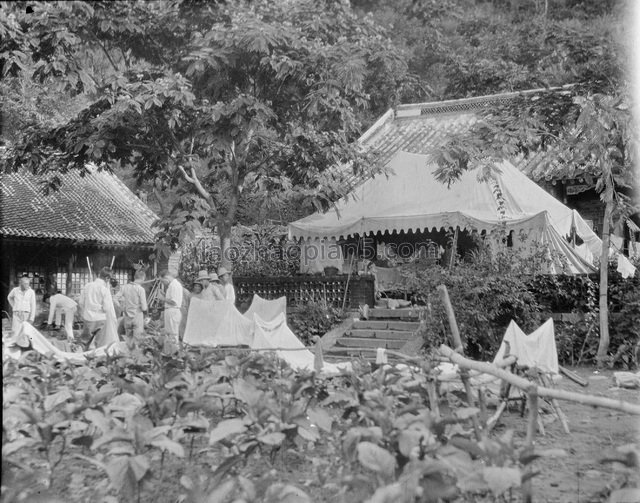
457,343
532,424
556,406
522,383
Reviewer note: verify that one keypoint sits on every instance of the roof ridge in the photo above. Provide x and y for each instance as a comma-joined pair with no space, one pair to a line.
458,104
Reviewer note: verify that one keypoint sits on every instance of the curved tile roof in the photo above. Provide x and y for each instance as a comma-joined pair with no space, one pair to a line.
96,208
421,127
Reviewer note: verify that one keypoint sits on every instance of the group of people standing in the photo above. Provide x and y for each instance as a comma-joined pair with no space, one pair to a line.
206,286
99,303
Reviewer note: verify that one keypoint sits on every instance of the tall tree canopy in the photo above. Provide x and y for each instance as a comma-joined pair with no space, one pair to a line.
581,122
221,100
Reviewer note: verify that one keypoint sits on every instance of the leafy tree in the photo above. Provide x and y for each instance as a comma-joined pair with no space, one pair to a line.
218,101
585,127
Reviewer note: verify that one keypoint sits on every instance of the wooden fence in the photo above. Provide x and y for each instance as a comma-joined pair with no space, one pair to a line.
301,290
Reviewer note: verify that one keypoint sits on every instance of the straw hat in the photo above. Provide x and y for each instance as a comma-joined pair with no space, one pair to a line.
222,271
214,277
203,275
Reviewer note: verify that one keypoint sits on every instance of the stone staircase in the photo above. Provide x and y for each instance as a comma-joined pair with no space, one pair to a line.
385,328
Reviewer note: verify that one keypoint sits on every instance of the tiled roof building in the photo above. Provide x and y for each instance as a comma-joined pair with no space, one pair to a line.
97,208
90,221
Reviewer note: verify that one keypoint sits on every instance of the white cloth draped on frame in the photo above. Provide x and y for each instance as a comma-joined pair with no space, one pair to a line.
216,323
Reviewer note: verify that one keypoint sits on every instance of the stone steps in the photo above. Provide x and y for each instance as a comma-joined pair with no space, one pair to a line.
359,342
384,313
380,334
409,326
384,328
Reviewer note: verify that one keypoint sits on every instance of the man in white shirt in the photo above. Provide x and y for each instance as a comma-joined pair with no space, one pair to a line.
96,305
68,307
134,306
229,292
172,304
23,304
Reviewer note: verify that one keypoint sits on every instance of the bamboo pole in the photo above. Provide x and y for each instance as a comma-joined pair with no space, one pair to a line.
433,398
556,407
522,383
533,423
457,341
453,325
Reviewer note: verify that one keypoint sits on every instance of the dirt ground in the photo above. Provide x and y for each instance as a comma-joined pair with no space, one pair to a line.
580,477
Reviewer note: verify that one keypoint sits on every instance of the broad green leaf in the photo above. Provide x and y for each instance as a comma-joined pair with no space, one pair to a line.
247,392
125,402
473,481
226,428
140,466
408,440
122,477
11,447
273,438
166,444
320,418
285,493
500,479
98,419
376,458
222,492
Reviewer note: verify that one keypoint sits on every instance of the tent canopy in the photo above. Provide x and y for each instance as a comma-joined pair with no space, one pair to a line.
411,199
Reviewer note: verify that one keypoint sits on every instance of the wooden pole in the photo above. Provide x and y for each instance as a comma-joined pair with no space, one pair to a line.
90,273
454,248
532,424
69,283
113,259
453,325
457,342
522,383
556,406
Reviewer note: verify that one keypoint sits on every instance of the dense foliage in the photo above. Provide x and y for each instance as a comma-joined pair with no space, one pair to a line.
224,101
488,292
202,426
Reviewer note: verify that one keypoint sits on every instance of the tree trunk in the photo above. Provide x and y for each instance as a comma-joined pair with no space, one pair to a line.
225,225
603,345
224,233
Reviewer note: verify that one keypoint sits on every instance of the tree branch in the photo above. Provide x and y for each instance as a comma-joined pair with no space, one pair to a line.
195,181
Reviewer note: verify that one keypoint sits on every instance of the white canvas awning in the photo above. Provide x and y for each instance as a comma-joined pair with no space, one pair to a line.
410,199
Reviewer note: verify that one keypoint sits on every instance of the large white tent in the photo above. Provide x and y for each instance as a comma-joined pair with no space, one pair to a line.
411,199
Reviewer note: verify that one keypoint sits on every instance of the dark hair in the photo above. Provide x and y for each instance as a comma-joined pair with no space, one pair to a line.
114,282
105,273
140,274
165,273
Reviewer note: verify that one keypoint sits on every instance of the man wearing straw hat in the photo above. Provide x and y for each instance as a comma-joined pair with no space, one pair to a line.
211,289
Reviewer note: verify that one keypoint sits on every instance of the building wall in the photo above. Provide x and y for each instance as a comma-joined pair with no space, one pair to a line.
49,263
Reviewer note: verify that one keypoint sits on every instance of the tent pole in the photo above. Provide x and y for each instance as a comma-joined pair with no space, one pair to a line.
454,248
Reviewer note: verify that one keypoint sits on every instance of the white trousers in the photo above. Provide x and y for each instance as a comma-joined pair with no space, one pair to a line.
69,315
172,317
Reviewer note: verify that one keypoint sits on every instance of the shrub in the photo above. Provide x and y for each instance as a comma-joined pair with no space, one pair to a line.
315,318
